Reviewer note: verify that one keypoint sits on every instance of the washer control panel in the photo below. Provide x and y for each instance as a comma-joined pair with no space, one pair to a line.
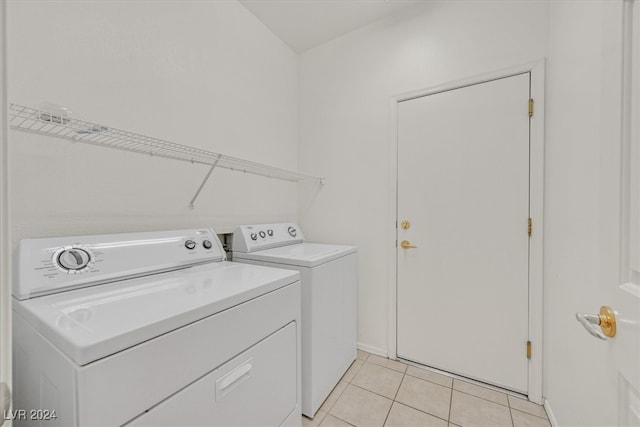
250,238
52,265
73,259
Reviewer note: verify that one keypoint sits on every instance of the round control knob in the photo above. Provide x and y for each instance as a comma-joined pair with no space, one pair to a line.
74,259
270,233
292,231
190,244
263,234
207,244
254,236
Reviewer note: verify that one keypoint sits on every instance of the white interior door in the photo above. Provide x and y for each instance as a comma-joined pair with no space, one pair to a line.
620,363
463,187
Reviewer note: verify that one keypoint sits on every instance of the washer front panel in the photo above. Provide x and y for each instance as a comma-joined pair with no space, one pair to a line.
251,238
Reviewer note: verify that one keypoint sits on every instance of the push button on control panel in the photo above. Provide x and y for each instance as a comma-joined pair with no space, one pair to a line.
190,244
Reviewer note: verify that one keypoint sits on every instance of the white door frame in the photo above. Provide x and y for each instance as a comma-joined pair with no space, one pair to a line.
5,238
537,70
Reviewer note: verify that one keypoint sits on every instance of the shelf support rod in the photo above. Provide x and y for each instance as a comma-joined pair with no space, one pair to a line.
206,178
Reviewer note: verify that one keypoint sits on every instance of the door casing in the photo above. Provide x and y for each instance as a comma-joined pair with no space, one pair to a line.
5,237
536,189
626,160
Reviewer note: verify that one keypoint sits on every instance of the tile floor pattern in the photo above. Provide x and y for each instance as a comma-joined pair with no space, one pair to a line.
380,392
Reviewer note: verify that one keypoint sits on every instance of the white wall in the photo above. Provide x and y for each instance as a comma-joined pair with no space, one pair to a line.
206,74
345,90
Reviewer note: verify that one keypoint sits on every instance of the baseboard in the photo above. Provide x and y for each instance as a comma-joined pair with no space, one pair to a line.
372,349
552,418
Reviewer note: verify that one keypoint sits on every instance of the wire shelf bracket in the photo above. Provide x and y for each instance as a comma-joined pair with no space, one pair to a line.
42,122
204,181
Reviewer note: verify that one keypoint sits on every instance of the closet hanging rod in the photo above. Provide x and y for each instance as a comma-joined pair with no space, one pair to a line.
42,122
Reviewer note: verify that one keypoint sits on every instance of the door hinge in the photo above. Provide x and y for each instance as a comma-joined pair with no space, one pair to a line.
528,349
529,227
530,107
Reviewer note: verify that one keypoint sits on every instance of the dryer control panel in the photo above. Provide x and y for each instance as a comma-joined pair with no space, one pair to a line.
57,264
251,238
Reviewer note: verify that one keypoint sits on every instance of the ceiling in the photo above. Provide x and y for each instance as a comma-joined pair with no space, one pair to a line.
303,24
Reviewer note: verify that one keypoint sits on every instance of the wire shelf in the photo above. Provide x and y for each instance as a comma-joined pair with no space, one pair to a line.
42,122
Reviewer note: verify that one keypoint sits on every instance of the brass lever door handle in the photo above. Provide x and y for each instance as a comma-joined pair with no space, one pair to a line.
606,320
407,245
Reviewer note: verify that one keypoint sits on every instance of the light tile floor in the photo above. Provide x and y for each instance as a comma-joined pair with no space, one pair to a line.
380,392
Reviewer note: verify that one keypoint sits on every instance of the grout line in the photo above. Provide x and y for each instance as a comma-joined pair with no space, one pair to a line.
463,379
420,410
356,371
339,419
432,382
373,392
401,403
366,357
485,399
409,406
385,366
529,413
325,416
546,417
510,412
399,386
338,397
417,409
394,398
388,412
451,388
450,403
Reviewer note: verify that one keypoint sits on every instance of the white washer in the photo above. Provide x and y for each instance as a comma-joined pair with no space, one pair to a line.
329,300
152,329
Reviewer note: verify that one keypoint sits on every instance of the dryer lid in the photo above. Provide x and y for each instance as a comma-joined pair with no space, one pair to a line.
91,323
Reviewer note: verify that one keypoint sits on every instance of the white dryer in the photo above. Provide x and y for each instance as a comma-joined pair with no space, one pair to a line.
152,329
329,281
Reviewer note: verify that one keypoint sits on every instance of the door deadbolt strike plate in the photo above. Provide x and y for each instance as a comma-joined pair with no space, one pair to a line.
405,224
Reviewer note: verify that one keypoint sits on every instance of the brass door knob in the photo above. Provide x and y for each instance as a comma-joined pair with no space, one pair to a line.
407,245
606,319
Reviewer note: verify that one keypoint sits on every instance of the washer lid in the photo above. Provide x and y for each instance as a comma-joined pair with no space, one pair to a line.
91,323
301,254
